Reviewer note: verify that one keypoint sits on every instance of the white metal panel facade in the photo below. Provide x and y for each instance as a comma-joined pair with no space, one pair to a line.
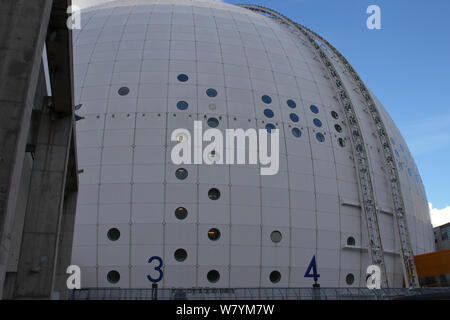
129,180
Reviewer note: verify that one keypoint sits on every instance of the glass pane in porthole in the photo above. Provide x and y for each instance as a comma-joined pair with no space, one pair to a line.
296,132
183,78
268,113
291,104
211,92
266,99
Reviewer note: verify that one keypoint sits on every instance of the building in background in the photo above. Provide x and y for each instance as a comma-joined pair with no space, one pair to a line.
38,161
442,237
434,268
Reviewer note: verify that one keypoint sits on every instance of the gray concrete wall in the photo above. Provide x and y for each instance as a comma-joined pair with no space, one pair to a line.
37,196
23,29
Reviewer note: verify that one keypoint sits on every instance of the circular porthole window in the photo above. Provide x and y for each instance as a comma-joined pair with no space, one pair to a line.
296,132
113,234
213,276
182,78
338,128
213,122
350,278
214,234
180,255
270,127
182,105
335,115
275,276
314,109
320,137
181,137
317,122
294,117
291,103
124,91
213,156
214,194
266,99
268,113
181,213
351,241
181,173
341,142
276,236
211,92
113,276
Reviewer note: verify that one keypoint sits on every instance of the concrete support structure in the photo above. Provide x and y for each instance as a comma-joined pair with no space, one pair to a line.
38,169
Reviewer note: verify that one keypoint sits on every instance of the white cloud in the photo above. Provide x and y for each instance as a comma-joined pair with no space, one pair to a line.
439,216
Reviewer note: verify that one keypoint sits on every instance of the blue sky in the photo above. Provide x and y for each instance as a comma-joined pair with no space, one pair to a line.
406,64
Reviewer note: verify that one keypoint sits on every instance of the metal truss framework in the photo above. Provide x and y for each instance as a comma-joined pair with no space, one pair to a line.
361,156
258,294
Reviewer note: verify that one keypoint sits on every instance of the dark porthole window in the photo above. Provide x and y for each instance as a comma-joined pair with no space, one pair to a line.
113,276
214,234
182,105
276,236
341,142
213,276
335,115
268,113
291,103
351,241
181,173
320,137
113,234
180,255
181,213
296,132
213,122
317,122
314,109
270,127
275,276
266,99
294,117
338,128
214,156
211,92
124,91
214,194
182,78
350,278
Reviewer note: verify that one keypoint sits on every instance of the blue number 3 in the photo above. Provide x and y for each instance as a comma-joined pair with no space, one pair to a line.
157,268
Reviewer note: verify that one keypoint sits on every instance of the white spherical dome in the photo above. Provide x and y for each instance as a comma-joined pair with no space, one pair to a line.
143,68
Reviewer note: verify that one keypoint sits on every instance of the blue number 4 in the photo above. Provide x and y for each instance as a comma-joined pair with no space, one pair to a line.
313,266
157,268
